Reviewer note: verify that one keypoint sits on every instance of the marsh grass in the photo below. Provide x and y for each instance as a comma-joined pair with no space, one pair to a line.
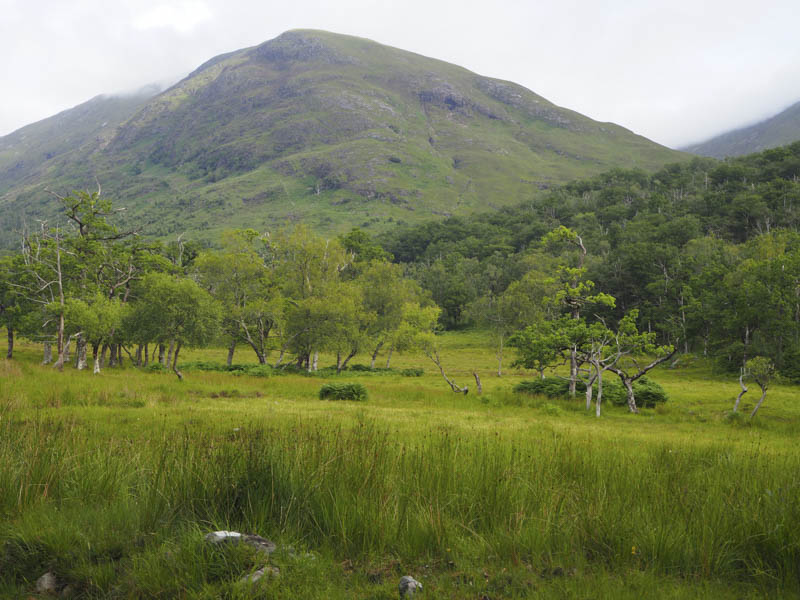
111,481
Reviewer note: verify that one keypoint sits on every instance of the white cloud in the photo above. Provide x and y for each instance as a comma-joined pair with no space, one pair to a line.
182,17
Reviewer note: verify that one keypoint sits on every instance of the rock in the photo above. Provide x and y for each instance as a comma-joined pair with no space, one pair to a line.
268,572
256,541
216,537
409,586
67,592
47,584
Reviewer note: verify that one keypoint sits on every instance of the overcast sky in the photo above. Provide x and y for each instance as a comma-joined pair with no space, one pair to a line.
675,71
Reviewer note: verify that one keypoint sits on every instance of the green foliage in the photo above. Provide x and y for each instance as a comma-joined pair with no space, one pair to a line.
251,370
648,393
343,391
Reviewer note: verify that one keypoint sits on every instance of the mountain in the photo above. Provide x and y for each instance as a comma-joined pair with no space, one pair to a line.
780,130
330,129
24,152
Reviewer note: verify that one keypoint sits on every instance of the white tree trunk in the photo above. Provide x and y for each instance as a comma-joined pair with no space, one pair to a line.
742,393
48,353
389,357
81,352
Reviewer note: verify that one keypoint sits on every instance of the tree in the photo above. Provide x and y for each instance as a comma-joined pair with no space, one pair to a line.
176,310
631,345
385,292
97,321
248,291
523,302
761,370
573,290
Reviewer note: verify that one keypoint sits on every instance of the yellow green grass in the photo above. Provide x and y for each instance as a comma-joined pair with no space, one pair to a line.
110,482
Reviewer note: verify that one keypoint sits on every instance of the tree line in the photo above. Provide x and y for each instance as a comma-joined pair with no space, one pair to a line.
706,252
87,285
699,257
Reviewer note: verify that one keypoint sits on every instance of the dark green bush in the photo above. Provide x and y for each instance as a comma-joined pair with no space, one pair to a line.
412,372
343,391
648,393
252,370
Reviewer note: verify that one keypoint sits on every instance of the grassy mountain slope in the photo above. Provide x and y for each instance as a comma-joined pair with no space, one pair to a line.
780,130
333,130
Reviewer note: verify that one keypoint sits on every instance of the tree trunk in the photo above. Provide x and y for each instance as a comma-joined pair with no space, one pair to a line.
80,364
66,350
478,382
103,351
742,393
453,386
162,359
389,358
60,341
146,355
499,358
346,360
10,353
169,352
316,360
138,360
231,350
763,395
112,355
338,362
628,383
375,355
120,348
48,353
589,391
599,399
573,371
96,357
175,362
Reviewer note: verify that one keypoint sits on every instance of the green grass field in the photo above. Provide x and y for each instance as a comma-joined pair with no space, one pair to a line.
111,481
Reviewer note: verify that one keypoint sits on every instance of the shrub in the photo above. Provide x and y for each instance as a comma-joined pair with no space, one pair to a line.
343,391
412,372
648,392
552,387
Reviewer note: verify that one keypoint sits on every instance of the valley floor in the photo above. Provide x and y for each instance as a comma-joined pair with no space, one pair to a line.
110,483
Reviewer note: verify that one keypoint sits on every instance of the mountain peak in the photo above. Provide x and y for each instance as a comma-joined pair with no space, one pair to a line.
331,129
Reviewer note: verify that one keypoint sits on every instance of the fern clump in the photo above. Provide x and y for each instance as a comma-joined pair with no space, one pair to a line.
343,391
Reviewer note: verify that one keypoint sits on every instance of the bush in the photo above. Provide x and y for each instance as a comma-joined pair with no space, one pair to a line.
252,370
413,372
648,393
552,387
343,391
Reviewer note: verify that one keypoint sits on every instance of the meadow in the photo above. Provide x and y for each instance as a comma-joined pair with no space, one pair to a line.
110,482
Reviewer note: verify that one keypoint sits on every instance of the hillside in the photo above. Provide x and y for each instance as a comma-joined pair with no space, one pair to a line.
329,129
782,129
27,151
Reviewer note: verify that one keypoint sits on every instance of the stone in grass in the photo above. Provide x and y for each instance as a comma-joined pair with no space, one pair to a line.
409,586
268,572
47,584
256,541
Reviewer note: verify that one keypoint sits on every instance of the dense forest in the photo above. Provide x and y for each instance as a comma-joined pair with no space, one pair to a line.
707,252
